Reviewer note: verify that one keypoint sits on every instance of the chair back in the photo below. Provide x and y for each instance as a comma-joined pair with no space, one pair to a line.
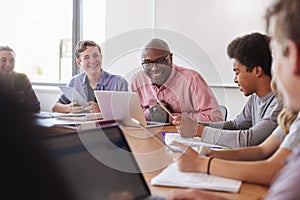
224,112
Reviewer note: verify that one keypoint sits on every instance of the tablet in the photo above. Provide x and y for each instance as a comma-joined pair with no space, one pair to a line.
73,95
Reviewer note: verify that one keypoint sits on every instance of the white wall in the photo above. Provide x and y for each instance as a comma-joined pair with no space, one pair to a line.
198,32
211,24
232,98
47,95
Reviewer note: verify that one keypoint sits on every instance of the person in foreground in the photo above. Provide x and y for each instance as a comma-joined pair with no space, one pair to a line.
27,169
18,83
282,24
181,90
88,56
252,62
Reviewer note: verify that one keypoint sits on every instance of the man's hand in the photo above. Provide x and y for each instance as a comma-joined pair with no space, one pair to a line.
73,107
186,126
158,114
92,107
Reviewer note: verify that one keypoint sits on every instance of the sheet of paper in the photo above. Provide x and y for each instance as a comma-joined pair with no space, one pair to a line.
82,116
171,176
171,137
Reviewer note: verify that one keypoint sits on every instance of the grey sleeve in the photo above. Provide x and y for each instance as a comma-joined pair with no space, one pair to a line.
292,139
239,138
242,121
228,125
243,137
278,132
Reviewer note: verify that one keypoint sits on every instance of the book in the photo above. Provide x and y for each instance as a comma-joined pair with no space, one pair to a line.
172,176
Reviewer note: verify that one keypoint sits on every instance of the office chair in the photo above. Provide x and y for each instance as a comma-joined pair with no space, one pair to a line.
224,112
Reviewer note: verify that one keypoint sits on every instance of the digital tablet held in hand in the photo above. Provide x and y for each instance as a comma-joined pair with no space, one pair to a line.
73,95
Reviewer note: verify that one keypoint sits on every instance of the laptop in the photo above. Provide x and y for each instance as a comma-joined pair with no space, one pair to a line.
73,95
123,106
98,164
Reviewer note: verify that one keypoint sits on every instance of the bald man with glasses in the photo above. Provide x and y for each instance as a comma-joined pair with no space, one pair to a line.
180,90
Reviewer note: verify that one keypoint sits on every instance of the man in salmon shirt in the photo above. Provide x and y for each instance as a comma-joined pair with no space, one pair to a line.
180,90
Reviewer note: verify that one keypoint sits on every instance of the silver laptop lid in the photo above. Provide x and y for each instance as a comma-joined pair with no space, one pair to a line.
122,106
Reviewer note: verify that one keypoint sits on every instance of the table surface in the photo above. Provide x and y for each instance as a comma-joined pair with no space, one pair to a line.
152,158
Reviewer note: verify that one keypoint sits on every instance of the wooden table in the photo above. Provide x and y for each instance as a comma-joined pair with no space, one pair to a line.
152,158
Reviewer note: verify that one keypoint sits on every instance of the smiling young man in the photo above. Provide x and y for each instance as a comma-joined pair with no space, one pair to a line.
181,90
252,61
88,56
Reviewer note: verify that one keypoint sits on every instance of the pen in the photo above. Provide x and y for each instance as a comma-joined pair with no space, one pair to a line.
215,147
162,105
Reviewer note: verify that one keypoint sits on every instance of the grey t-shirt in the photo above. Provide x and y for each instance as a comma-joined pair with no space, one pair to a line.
292,139
252,126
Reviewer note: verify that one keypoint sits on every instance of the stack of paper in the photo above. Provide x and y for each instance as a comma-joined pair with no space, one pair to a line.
172,176
80,116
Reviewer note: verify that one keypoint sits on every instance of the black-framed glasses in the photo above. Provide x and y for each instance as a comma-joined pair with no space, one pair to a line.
160,61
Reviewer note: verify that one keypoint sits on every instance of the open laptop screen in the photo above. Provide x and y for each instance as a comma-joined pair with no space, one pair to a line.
98,164
122,106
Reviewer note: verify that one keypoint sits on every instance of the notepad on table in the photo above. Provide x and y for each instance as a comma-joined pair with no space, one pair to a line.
172,176
171,137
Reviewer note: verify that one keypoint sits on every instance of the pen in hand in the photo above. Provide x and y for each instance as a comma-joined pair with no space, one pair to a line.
162,105
202,150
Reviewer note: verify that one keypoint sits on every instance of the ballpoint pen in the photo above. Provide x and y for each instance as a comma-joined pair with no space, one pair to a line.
162,105
217,147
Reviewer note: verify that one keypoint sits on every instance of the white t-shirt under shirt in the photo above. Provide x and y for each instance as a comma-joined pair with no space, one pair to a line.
292,139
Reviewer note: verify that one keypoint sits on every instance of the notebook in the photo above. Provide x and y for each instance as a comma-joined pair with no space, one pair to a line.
123,106
98,164
172,176
73,95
